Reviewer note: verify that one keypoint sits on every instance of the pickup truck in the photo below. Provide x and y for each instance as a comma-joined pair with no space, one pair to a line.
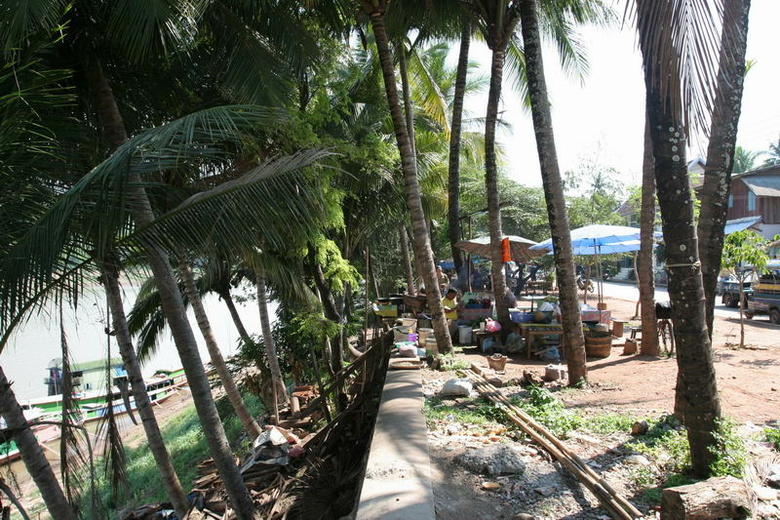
765,294
730,292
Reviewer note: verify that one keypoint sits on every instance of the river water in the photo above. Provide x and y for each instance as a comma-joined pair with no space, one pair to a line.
35,344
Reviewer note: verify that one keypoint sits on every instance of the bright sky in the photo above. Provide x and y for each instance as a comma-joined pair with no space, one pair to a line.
603,119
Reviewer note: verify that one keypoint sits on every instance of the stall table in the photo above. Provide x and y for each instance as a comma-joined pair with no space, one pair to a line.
529,330
474,314
532,299
482,335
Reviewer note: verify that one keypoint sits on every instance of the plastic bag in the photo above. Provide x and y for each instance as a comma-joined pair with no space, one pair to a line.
492,326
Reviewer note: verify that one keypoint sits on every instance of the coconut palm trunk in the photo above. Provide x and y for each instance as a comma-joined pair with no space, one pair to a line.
248,422
720,151
184,338
421,241
407,261
646,272
696,396
279,391
32,454
453,180
162,459
491,179
553,194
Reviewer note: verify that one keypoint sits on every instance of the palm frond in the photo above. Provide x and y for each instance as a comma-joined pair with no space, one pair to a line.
19,22
682,41
47,255
146,321
141,28
114,457
265,201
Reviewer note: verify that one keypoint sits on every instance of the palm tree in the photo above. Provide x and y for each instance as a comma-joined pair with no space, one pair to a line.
646,259
421,240
453,185
228,383
773,153
32,453
744,160
714,195
553,191
674,62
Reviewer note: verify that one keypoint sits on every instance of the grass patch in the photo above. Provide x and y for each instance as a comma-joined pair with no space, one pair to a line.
773,436
665,442
477,412
450,362
730,452
545,408
608,423
183,436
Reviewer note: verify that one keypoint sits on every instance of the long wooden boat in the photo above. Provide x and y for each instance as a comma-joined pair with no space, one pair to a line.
90,406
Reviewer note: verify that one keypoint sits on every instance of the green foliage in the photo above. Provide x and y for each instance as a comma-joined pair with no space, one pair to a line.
472,412
598,194
608,423
184,439
644,477
450,362
666,443
729,450
773,436
337,271
543,406
744,248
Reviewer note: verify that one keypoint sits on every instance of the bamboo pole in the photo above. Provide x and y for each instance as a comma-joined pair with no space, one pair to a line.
618,506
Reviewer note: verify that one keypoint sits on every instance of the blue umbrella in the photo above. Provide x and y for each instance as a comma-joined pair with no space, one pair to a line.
593,239
600,239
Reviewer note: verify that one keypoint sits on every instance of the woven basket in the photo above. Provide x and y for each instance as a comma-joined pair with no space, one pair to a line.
599,347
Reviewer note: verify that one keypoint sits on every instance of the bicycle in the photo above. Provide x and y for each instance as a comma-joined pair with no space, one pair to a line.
666,336
663,313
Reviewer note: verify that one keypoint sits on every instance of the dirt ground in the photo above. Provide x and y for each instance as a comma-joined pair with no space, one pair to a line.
640,386
748,378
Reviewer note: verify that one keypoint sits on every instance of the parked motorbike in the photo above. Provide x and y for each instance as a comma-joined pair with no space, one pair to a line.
584,283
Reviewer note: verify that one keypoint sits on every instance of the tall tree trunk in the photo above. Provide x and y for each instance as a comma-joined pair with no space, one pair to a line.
453,180
574,343
491,182
422,243
280,393
406,91
32,454
333,311
248,422
170,481
646,272
407,260
697,393
720,152
172,305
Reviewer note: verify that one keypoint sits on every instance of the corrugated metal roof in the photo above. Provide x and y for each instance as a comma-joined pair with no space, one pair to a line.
738,224
763,185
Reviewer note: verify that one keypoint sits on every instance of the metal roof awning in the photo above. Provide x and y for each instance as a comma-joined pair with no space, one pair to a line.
763,185
740,224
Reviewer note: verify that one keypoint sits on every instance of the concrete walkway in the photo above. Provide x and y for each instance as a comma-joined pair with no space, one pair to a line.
397,484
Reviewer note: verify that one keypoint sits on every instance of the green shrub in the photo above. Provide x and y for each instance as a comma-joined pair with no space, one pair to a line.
666,442
543,406
773,436
729,450
608,423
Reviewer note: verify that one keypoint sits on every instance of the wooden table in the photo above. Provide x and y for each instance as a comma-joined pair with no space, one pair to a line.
532,286
481,335
532,299
529,330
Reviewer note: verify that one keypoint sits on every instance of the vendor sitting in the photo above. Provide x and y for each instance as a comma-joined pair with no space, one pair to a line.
450,304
